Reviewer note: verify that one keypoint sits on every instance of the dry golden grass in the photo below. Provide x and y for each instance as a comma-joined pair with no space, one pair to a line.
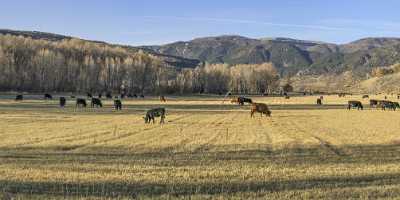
205,149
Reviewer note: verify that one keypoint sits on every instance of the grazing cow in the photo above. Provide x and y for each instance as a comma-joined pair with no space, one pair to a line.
373,103
47,96
89,95
80,102
108,95
156,112
365,96
389,105
63,101
135,96
319,101
241,100
142,96
162,98
117,104
261,108
96,102
355,104
19,97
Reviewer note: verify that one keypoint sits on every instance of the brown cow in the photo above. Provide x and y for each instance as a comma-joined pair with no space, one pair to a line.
261,108
162,99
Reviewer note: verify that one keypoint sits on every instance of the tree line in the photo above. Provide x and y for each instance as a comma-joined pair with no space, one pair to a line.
74,65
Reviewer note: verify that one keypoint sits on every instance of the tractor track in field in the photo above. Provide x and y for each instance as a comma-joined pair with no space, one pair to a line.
330,146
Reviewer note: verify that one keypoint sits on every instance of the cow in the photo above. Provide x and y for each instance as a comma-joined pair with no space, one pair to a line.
108,95
287,97
100,95
155,112
63,101
321,97
89,95
130,95
96,102
162,98
355,104
135,96
122,95
80,102
117,104
373,103
261,108
341,95
319,101
19,97
365,96
72,97
142,96
241,100
47,96
389,105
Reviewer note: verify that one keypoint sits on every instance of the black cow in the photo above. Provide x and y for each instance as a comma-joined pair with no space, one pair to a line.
242,100
89,95
355,104
72,97
108,95
389,105
80,102
48,96
319,101
142,96
96,102
63,101
117,104
156,112
100,95
135,96
373,103
19,97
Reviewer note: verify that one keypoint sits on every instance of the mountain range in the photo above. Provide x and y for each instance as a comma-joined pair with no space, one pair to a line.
290,56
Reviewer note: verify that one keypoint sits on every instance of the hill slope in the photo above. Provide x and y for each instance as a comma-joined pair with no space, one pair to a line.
290,55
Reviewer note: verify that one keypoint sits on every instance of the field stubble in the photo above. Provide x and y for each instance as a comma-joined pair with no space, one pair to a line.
219,152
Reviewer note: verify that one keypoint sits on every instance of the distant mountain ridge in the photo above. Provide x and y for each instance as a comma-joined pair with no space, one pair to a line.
176,61
289,55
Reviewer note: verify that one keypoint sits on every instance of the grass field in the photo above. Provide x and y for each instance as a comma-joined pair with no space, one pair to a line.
206,149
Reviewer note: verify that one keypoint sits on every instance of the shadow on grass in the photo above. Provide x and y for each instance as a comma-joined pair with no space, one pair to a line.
110,189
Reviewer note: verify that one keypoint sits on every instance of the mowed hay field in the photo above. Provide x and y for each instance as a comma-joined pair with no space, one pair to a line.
206,149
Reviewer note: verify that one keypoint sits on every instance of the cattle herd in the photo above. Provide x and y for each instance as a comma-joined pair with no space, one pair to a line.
95,102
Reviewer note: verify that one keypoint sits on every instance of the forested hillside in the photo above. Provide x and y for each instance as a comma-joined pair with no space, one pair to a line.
74,65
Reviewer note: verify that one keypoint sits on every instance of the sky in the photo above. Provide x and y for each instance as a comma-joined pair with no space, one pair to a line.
154,22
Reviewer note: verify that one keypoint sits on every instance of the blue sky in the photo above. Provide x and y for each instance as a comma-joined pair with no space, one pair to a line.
149,22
